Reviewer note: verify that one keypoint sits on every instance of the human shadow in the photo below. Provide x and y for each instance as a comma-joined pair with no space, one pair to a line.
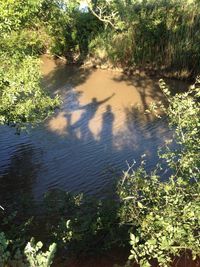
106,134
108,147
89,111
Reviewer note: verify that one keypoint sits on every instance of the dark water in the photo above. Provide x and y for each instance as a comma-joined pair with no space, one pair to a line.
86,145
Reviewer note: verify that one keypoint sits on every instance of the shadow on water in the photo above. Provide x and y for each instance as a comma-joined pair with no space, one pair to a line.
18,179
92,160
58,77
147,88
100,125
89,112
108,118
85,145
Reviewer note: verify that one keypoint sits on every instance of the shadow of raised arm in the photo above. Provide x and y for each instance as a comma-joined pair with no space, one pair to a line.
105,100
94,103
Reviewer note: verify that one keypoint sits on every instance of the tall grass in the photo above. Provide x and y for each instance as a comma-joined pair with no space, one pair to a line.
161,34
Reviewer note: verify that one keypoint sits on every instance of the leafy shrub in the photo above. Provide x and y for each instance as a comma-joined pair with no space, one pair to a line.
4,253
36,257
112,47
156,34
80,225
165,215
21,98
32,256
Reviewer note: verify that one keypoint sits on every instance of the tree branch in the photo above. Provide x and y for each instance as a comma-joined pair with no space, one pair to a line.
108,19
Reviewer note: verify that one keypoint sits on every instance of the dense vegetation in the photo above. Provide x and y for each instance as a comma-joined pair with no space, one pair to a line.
21,98
157,35
166,215
162,218
154,34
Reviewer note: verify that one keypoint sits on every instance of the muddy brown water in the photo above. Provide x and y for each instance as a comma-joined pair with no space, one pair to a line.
86,144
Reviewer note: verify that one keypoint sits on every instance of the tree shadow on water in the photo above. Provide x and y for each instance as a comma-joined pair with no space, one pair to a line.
59,77
144,135
17,181
147,88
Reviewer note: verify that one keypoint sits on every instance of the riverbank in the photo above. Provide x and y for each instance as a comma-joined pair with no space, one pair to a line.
145,70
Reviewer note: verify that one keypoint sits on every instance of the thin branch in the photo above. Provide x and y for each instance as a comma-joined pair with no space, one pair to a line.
128,171
104,18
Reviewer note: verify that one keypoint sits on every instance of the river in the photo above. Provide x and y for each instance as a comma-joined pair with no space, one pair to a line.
85,146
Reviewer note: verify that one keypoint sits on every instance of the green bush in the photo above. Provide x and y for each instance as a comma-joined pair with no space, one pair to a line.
32,256
4,253
154,34
165,215
22,100
37,258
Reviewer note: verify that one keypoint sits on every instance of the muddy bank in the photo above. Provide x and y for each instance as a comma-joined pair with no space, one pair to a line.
143,70
146,69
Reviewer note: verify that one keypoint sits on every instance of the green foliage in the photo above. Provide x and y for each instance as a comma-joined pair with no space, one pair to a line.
36,257
165,215
184,114
19,32
113,47
54,16
22,99
80,225
33,255
155,34
69,29
4,253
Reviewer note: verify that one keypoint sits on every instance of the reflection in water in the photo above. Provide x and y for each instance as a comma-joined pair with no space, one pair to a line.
96,130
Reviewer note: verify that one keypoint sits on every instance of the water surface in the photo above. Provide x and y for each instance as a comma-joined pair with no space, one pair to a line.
86,144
